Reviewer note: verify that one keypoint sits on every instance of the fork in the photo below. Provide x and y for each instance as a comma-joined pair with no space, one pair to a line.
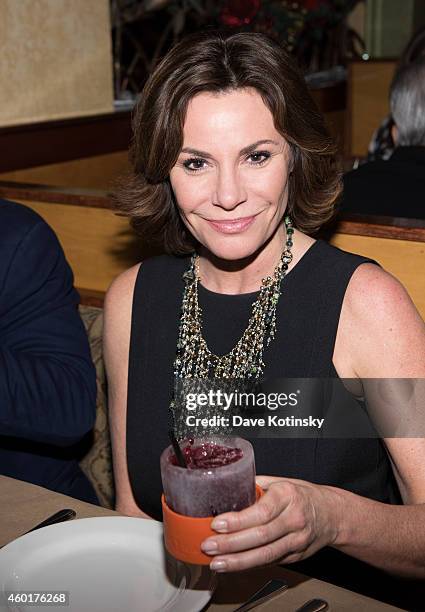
267,592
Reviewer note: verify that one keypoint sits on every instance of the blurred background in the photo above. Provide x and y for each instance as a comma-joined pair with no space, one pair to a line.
85,62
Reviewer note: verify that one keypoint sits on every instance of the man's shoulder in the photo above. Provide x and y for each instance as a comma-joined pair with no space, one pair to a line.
17,217
17,222
365,171
26,240
21,226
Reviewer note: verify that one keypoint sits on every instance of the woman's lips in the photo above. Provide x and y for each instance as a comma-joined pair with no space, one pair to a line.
232,226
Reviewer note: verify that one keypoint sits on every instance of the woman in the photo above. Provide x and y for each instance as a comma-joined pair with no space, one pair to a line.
227,143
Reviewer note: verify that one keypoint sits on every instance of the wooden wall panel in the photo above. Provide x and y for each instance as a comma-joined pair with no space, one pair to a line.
368,87
98,172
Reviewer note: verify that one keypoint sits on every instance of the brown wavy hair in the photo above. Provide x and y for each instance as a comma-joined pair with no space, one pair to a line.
218,62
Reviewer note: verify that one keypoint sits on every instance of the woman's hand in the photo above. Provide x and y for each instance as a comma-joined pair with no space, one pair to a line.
291,521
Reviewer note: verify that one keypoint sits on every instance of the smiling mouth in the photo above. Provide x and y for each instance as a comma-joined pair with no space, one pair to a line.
232,226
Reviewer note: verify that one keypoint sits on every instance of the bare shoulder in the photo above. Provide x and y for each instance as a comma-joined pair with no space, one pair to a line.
373,293
117,317
381,326
120,292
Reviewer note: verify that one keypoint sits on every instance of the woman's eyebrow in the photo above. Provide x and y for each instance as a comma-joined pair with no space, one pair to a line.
244,151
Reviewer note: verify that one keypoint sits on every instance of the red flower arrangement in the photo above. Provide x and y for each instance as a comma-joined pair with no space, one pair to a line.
239,12
312,5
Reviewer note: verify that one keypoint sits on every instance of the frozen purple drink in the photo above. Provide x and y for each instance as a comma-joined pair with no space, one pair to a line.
220,476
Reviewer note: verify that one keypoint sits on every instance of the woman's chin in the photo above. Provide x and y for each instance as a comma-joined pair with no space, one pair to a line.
234,248
235,252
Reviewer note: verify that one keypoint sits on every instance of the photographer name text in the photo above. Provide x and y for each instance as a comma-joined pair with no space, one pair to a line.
272,420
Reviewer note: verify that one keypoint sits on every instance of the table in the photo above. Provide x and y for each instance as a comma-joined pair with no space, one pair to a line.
23,505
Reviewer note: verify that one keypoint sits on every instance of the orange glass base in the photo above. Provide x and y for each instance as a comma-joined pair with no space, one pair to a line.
183,535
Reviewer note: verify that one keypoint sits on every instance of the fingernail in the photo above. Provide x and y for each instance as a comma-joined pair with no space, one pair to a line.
210,546
218,566
219,525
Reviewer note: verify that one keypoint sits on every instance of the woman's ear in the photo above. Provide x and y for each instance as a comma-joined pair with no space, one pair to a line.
394,133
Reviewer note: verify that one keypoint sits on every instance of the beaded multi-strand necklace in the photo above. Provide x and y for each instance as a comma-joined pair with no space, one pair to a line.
245,361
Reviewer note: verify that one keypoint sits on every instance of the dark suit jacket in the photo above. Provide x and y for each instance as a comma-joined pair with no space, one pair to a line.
47,379
395,187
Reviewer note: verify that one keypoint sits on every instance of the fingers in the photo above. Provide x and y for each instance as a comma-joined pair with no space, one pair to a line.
289,521
247,538
265,510
283,548
281,525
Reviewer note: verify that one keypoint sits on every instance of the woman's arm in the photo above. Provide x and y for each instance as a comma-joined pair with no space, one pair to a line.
384,336
116,344
387,536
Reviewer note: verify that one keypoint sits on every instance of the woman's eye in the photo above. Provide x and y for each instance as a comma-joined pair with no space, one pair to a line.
259,157
194,164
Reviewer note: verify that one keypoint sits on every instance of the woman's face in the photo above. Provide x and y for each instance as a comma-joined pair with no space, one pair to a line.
231,177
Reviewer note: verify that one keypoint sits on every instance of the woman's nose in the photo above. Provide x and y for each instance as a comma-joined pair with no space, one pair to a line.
230,190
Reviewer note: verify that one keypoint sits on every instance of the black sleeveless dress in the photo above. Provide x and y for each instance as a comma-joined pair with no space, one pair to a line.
307,321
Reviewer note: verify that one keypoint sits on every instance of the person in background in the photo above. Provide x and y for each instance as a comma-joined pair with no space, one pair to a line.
382,144
396,187
47,379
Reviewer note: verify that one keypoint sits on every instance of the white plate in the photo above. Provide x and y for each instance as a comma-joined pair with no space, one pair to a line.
107,564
